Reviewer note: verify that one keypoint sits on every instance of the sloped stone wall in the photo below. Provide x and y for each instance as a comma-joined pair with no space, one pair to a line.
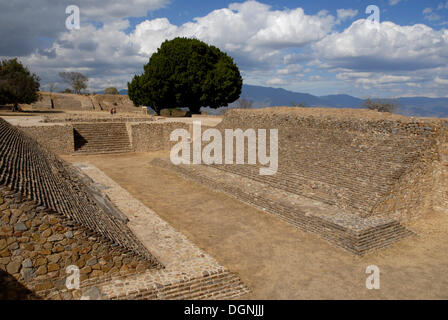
80,102
422,188
58,139
37,245
351,162
41,176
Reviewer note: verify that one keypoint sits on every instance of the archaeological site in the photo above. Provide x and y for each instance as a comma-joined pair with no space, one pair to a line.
91,207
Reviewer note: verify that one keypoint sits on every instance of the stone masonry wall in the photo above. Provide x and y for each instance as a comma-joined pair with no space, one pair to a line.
422,188
37,245
147,137
57,138
80,102
144,136
351,162
38,174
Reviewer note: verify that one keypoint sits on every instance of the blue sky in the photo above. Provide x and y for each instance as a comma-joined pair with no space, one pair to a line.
405,12
319,47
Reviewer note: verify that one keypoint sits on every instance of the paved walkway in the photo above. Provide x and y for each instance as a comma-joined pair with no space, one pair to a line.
276,260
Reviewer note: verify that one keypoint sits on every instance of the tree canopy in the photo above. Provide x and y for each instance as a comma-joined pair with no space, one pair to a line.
187,73
77,80
111,90
17,84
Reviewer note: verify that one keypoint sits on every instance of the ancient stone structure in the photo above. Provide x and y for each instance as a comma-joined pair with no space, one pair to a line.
353,177
51,219
101,137
350,178
147,137
123,135
94,102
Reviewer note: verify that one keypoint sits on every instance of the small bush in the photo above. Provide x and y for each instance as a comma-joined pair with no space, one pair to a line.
381,105
299,105
243,103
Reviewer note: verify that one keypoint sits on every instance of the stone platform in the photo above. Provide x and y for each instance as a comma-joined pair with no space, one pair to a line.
343,228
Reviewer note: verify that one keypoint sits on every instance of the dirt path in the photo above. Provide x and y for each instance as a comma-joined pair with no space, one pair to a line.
276,260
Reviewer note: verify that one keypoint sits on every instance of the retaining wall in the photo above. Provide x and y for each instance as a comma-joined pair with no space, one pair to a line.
49,220
147,137
353,163
58,138
37,245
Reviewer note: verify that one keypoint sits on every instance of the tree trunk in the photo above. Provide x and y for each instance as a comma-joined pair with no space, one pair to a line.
52,104
195,110
157,110
15,107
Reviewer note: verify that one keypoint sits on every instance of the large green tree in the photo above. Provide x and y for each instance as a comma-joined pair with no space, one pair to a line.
187,73
17,84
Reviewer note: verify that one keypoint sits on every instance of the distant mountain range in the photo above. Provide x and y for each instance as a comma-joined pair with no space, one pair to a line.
267,97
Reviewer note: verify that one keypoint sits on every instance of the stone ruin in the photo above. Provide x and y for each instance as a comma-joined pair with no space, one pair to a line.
52,217
352,177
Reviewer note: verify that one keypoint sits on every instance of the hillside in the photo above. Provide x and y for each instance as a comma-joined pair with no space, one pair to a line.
267,97
413,106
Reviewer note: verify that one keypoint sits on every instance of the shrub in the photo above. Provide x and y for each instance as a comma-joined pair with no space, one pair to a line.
381,105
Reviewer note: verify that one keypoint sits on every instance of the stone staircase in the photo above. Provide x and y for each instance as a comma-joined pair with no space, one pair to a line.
93,138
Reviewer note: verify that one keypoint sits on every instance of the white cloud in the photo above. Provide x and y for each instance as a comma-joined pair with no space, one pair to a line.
271,47
106,55
276,82
23,22
391,47
344,14
251,31
394,2
316,78
290,69
389,58
441,81
430,15
106,10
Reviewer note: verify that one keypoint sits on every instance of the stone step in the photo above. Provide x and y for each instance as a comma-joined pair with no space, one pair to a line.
346,229
101,152
101,138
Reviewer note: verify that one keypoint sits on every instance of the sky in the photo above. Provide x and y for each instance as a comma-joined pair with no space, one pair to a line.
319,47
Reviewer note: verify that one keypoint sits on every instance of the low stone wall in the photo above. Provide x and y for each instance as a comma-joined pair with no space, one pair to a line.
144,136
58,139
147,137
